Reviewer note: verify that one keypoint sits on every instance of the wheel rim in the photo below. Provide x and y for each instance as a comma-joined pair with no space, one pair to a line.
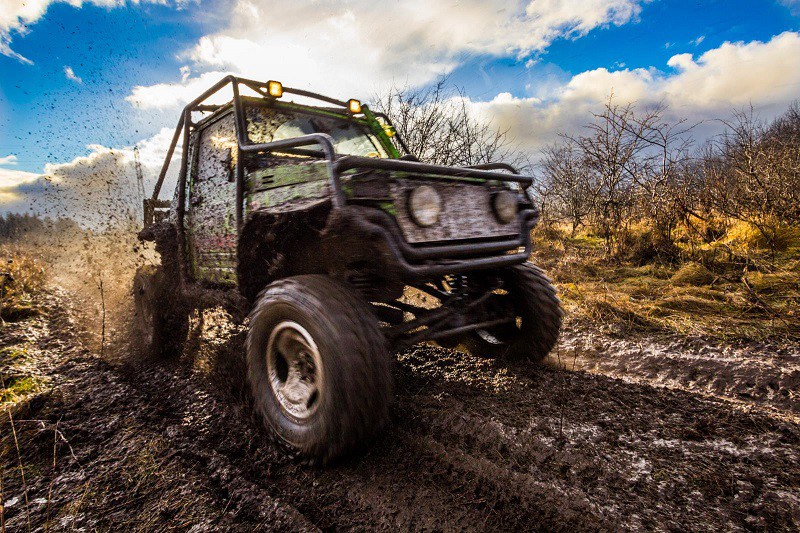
295,369
501,305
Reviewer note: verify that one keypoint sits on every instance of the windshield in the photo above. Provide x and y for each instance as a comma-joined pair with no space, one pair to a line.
349,138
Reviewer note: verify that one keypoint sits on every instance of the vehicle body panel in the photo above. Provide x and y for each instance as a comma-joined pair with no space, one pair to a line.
211,227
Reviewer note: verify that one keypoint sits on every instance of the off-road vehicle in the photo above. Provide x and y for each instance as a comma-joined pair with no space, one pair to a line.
342,246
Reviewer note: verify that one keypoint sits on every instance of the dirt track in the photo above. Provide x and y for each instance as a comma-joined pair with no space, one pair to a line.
473,444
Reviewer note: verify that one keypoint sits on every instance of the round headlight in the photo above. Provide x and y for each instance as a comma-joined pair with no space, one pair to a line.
505,206
424,204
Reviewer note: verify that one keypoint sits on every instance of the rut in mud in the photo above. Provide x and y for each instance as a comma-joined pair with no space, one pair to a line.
472,444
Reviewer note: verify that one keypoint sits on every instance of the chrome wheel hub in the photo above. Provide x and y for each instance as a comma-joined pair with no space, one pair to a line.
295,369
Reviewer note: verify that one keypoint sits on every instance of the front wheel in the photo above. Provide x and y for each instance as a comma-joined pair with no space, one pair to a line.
531,299
318,366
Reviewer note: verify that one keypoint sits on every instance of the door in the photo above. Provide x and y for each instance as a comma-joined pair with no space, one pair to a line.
212,204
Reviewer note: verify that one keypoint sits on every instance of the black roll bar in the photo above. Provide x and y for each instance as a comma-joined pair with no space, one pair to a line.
351,162
335,166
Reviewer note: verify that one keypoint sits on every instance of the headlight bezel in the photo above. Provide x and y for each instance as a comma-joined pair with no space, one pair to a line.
425,205
505,206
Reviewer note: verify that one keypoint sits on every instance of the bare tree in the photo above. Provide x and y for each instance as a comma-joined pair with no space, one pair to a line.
661,168
439,127
610,153
752,172
567,181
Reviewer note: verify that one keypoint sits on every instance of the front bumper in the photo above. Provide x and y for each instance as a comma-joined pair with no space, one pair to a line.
417,262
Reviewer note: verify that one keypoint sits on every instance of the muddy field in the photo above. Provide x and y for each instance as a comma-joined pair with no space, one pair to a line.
611,434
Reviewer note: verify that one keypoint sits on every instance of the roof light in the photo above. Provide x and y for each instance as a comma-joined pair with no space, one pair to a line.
275,88
354,106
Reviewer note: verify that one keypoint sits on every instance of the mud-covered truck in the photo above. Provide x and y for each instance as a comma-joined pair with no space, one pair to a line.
312,218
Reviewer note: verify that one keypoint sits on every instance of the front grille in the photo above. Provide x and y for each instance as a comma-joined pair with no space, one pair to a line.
466,213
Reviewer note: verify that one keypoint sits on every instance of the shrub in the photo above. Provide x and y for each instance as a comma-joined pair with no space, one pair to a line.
774,235
642,246
21,277
692,274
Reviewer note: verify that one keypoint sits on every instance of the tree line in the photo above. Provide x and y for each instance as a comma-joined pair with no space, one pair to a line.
633,167
14,227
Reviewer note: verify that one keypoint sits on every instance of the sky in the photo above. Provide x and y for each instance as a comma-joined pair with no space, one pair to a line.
84,81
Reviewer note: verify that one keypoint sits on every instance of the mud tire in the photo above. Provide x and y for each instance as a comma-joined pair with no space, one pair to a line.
354,397
539,308
161,323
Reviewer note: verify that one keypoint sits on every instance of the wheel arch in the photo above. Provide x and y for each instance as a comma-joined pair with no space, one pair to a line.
278,242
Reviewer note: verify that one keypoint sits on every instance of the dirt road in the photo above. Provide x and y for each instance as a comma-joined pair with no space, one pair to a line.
474,444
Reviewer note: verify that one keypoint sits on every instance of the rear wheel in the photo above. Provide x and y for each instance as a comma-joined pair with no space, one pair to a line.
318,366
161,324
531,299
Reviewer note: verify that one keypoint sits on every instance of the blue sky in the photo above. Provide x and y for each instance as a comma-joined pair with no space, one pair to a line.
535,67
664,29
49,118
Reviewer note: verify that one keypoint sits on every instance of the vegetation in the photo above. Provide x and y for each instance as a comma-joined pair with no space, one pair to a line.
644,231
438,127
20,279
719,299
15,227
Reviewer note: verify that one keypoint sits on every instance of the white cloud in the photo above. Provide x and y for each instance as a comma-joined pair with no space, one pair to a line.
168,95
793,5
10,181
349,48
70,74
98,189
697,41
8,160
699,88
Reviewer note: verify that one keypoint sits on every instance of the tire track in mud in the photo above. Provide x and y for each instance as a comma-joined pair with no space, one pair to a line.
472,445
767,374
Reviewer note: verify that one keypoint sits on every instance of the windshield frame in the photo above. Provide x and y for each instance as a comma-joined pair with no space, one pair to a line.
299,111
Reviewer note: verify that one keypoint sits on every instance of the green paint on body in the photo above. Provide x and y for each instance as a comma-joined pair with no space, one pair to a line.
377,129
276,177
277,196
389,208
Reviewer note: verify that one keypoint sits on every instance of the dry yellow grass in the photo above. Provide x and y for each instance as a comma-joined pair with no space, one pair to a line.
692,274
20,278
723,300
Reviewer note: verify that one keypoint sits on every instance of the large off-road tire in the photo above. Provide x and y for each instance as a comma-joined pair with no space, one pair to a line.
161,323
318,366
538,319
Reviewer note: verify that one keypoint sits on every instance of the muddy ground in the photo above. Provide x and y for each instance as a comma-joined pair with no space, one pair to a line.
659,434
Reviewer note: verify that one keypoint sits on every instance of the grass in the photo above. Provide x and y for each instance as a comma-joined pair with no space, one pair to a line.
21,277
717,291
17,388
